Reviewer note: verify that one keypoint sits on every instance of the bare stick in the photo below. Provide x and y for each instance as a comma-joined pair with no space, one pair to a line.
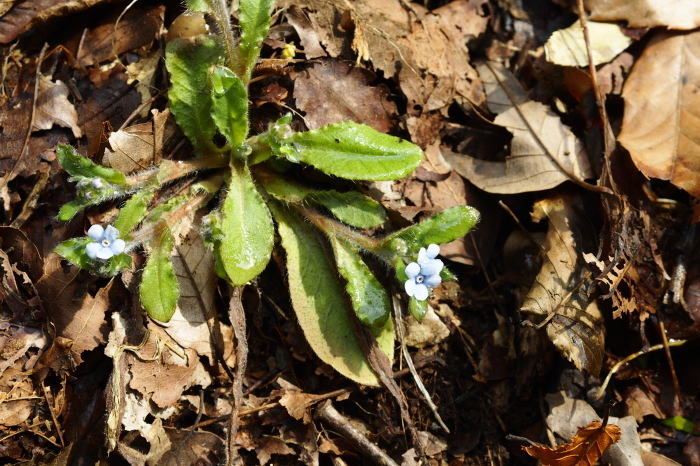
327,413
237,316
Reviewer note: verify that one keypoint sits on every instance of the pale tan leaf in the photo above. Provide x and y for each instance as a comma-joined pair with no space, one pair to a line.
54,108
194,323
560,291
661,125
131,149
674,14
544,151
567,47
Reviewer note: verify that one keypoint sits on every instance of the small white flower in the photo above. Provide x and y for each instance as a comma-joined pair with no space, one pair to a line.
424,274
97,183
106,243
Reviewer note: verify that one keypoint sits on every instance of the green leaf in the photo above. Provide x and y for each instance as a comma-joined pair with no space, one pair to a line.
367,296
230,105
417,308
441,228
319,303
82,167
159,289
73,250
682,424
353,151
254,18
69,210
133,212
188,61
247,227
203,6
352,207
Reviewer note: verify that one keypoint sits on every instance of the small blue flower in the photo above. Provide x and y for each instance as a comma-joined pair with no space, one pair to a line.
97,183
106,243
424,274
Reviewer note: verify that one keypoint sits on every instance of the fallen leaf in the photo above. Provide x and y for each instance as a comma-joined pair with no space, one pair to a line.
673,14
305,25
77,316
585,448
662,116
53,107
559,294
567,47
566,414
138,27
544,151
335,91
194,324
27,14
192,447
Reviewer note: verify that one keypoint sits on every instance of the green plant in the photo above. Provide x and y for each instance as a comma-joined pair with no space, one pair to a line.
320,230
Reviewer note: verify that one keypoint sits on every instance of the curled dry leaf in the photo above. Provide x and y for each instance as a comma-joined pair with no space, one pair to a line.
567,47
673,14
544,151
585,448
662,110
559,294
53,107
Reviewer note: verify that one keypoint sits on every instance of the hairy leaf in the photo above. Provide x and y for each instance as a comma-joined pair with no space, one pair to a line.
230,105
159,289
188,61
444,227
247,227
133,212
367,296
319,303
79,166
254,17
354,151
352,208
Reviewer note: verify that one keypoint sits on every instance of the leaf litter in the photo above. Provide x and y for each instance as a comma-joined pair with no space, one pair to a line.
602,267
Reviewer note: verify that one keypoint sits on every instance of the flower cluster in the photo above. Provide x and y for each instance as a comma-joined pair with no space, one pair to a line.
424,274
106,242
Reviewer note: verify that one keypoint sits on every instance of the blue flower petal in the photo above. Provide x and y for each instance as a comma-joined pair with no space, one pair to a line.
421,292
91,249
432,267
432,281
95,232
433,251
111,234
412,270
117,247
104,253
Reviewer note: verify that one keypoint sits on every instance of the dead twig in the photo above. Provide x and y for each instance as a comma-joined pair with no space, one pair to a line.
237,316
327,413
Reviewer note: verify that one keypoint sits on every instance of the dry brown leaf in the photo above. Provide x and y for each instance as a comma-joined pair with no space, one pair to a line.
559,294
673,14
78,317
335,91
566,414
585,448
194,324
27,14
131,149
53,107
544,151
662,110
428,50
307,29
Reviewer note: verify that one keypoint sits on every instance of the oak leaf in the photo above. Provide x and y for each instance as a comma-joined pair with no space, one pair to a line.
662,120
585,448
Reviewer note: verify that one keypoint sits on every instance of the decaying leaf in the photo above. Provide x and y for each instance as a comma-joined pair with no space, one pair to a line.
567,414
426,49
53,107
544,151
673,14
334,91
585,448
662,109
559,295
567,47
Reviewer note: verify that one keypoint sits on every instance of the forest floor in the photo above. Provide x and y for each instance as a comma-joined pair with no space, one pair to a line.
585,253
